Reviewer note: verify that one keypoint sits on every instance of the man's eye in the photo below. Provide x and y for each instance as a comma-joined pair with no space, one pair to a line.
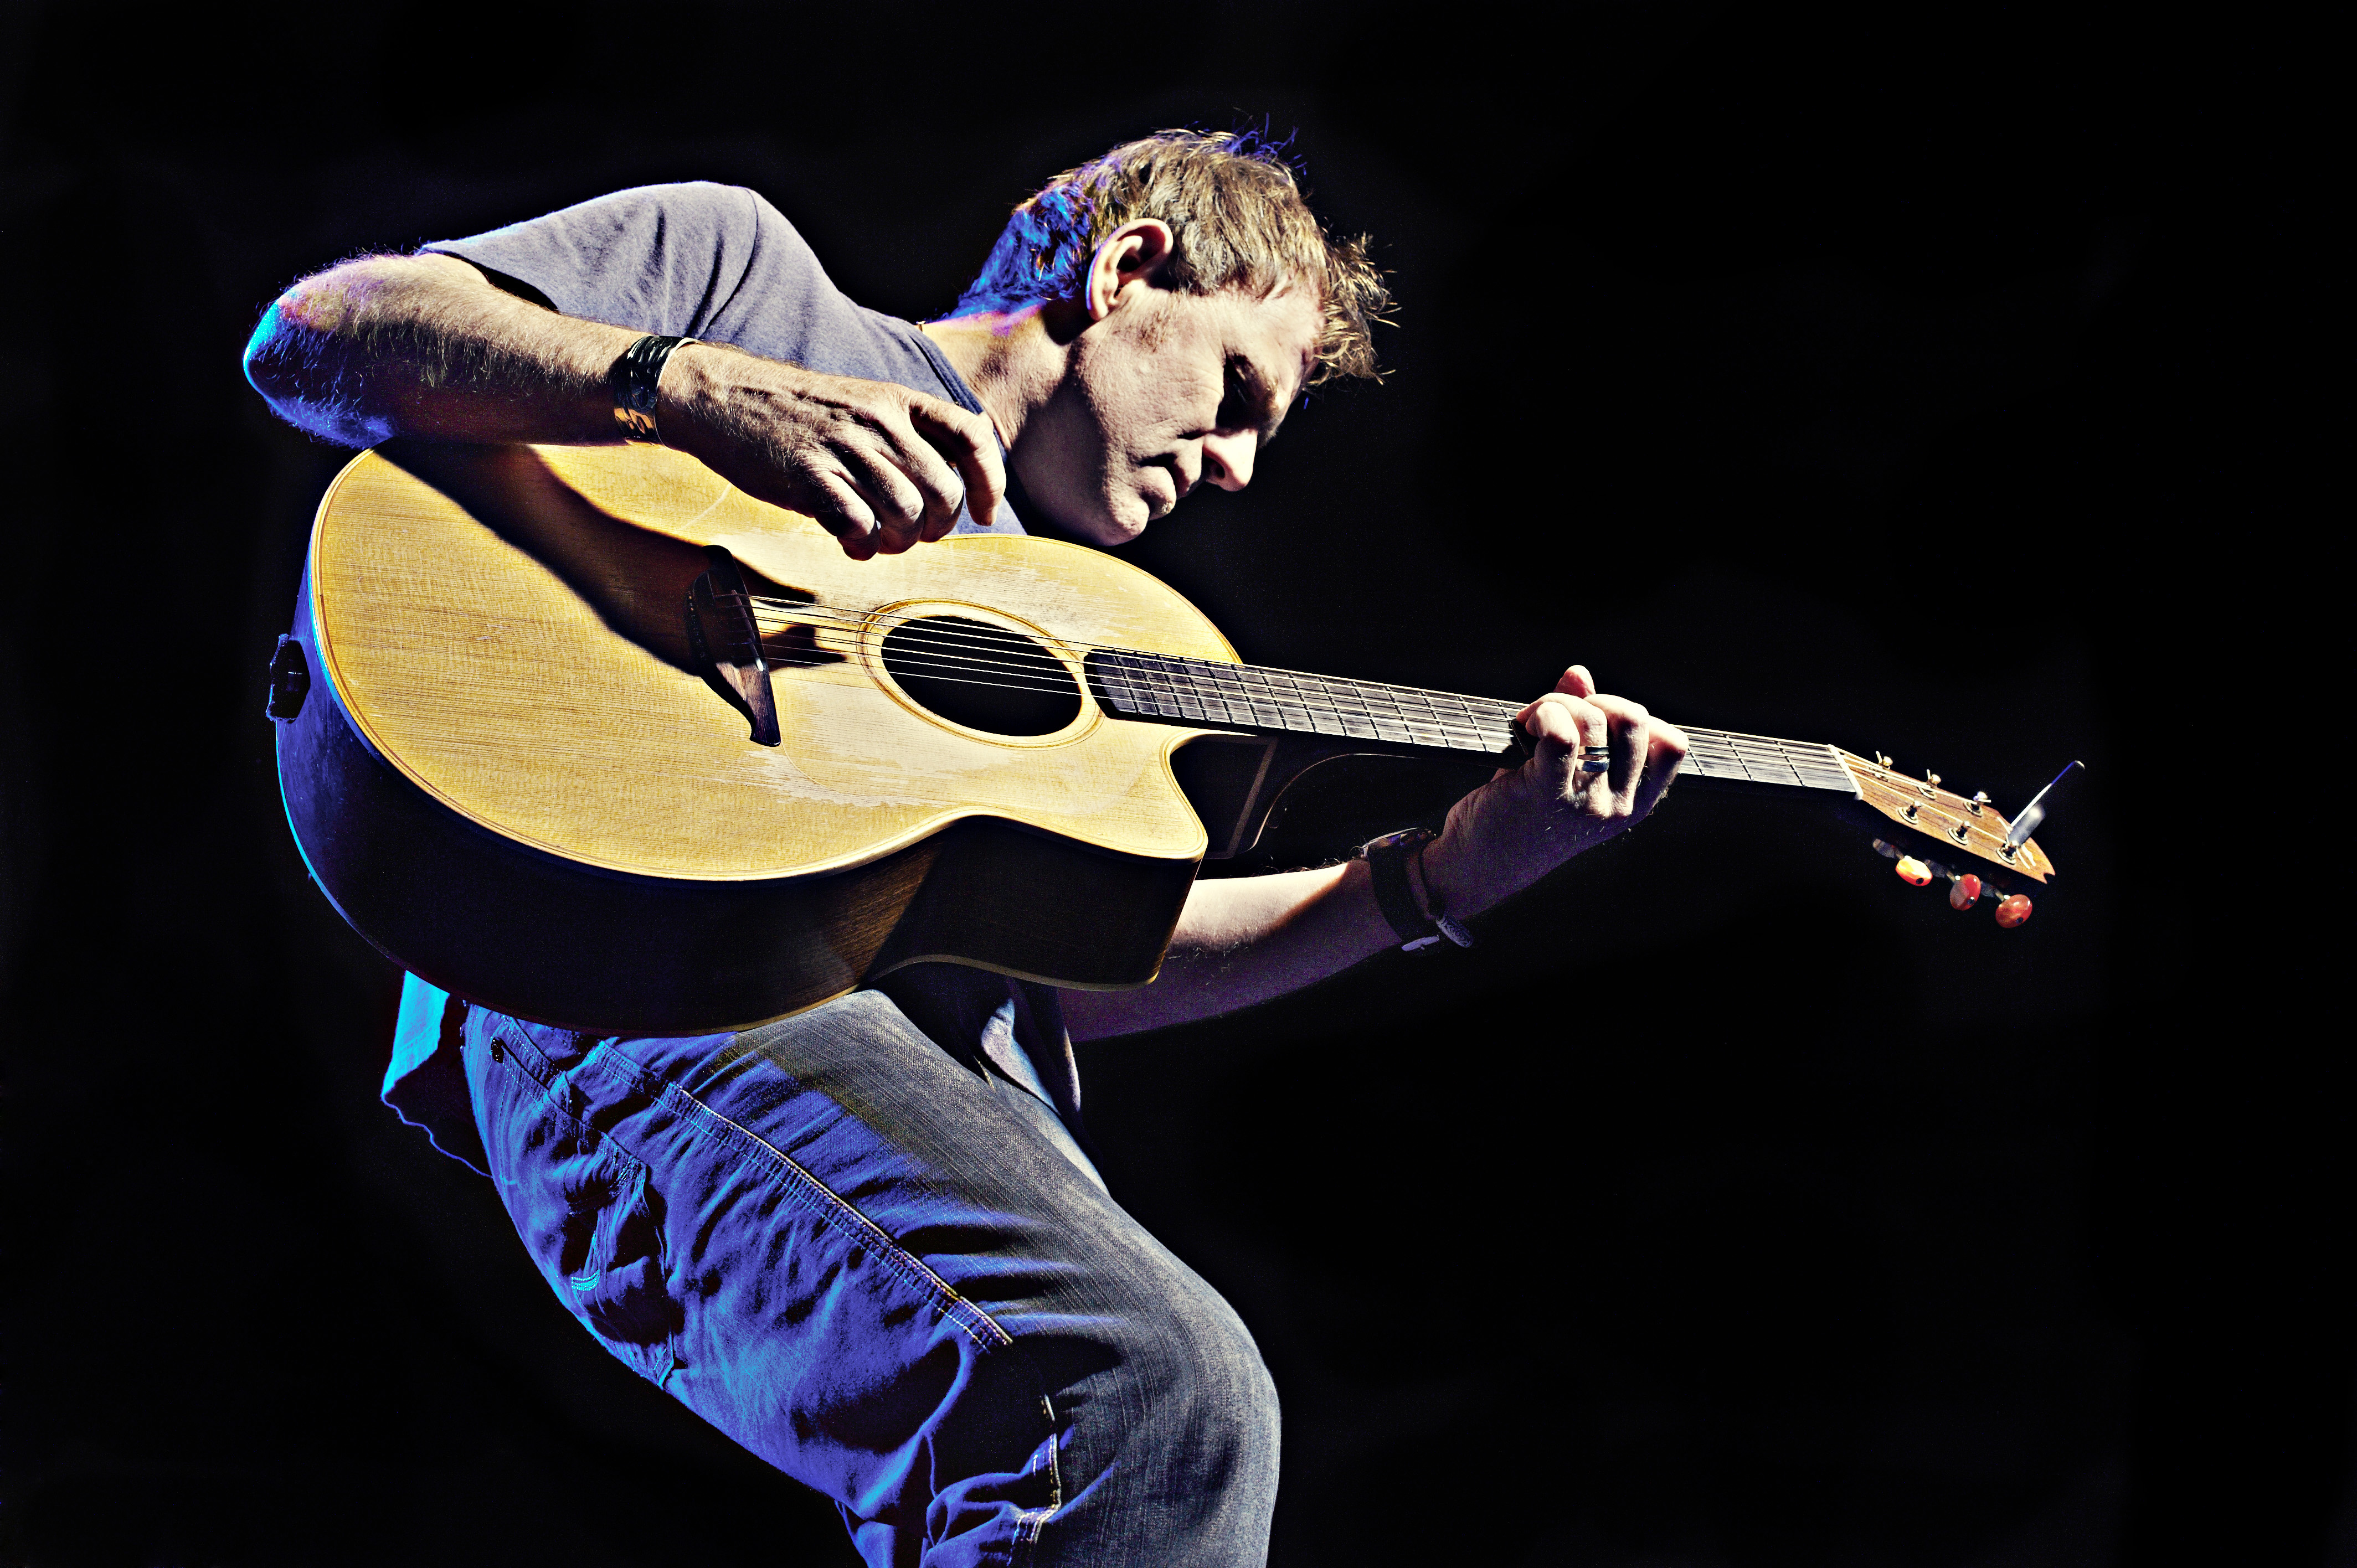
1236,403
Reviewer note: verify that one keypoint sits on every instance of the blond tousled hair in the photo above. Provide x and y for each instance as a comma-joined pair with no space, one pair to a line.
1237,221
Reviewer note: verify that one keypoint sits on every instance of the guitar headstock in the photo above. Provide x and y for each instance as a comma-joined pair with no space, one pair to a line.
1956,824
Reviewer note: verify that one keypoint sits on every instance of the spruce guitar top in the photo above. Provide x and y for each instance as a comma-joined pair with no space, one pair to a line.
588,735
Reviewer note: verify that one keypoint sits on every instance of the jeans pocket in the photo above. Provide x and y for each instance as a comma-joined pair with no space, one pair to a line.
616,1285
588,1216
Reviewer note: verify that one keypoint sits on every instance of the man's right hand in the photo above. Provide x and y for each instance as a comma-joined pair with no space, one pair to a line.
880,466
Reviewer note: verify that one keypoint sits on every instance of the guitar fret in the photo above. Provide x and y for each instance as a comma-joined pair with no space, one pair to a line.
1366,728
1434,725
1398,714
1764,759
1210,692
1302,704
1384,724
1233,696
1312,712
1264,701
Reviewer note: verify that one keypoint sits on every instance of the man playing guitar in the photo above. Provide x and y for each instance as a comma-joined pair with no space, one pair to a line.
867,1240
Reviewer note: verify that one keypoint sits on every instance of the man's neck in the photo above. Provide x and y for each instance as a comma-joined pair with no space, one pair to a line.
1012,359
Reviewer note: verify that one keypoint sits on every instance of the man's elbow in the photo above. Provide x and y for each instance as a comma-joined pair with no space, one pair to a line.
300,371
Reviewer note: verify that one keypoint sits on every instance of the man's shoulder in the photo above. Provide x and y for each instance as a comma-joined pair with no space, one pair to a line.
682,212
719,202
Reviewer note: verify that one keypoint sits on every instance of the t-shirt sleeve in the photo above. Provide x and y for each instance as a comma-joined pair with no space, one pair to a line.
668,259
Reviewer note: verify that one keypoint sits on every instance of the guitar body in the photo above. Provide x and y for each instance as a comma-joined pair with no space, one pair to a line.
512,776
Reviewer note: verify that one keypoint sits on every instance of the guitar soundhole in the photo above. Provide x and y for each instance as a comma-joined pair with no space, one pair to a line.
983,677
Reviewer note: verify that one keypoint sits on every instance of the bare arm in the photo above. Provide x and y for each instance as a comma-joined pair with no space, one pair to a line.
1249,938
428,345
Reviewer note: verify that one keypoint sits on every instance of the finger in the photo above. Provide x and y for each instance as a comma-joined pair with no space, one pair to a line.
934,473
897,502
842,511
1578,681
1628,722
971,443
1666,748
1565,728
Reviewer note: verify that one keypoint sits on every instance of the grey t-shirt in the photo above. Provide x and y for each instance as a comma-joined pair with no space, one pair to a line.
714,262
719,262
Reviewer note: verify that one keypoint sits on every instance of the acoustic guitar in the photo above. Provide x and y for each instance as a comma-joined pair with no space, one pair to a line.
590,736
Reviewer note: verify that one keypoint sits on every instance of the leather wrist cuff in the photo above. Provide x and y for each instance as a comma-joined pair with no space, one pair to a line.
1387,859
634,379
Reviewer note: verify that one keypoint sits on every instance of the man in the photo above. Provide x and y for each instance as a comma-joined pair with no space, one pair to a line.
868,1240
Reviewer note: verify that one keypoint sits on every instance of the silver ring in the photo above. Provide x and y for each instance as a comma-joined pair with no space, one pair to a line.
1595,760
1593,767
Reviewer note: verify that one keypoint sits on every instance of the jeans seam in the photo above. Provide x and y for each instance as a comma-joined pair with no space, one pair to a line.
834,1210
838,1212
1031,1524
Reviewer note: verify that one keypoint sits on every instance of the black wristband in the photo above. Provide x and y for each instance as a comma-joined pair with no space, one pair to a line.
633,381
1387,859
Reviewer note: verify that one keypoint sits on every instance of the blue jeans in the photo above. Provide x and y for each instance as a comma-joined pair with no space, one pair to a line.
891,1276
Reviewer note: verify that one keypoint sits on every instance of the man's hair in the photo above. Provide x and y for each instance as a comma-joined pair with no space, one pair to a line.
1237,221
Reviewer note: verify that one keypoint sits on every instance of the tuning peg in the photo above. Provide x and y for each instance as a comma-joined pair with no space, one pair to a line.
2011,912
1880,760
1978,803
1964,892
1931,778
1913,872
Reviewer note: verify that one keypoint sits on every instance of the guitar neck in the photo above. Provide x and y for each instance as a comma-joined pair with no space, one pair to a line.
1166,689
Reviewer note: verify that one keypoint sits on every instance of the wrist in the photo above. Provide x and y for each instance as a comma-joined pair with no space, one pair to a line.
1444,881
681,393
1403,897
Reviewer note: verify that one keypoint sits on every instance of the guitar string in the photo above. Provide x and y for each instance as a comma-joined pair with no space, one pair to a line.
1225,720
992,653
791,612
981,649
950,650
1210,681
795,612
1215,683
1216,707
977,651
1207,681
1700,761
1712,748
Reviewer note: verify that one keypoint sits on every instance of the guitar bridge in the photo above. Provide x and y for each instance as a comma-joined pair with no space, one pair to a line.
727,645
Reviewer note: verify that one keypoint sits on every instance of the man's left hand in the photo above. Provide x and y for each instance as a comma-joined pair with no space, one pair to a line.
1529,820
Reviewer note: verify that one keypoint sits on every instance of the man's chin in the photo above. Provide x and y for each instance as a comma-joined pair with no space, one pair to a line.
1099,520
1124,519
1098,529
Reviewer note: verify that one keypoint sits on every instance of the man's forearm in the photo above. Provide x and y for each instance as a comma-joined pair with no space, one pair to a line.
1245,940
425,345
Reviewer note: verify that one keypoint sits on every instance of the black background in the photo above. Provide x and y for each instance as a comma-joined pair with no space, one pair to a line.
1928,380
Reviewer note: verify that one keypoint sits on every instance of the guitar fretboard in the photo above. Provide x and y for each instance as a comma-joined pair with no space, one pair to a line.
1250,697
1246,697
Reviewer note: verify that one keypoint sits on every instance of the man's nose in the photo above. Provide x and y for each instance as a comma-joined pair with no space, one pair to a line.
1228,459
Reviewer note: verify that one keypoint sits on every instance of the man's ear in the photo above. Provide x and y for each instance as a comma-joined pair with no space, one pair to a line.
1135,253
